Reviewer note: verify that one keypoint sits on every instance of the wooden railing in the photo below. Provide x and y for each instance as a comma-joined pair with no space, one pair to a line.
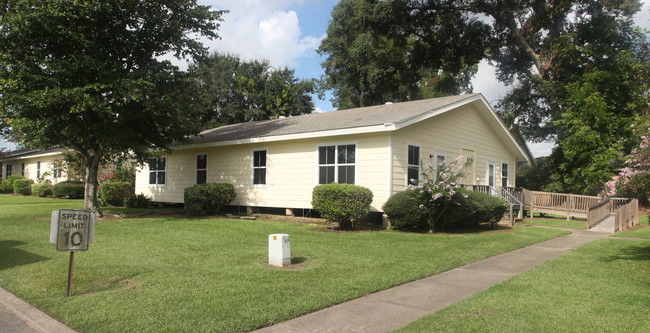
598,212
627,216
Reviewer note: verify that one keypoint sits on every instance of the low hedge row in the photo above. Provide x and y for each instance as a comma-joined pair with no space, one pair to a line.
42,189
467,209
208,197
72,190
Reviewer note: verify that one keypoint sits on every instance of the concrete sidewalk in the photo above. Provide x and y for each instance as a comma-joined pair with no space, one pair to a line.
17,316
390,309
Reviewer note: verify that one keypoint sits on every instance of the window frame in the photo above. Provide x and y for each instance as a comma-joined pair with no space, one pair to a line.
505,168
197,169
260,167
22,169
336,165
38,169
410,166
157,171
8,170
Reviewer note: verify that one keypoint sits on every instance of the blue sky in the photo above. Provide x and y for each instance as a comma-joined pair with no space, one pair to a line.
288,32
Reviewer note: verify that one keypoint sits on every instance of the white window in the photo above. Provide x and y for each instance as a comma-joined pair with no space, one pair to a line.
38,169
259,167
490,173
56,170
22,169
336,163
413,165
504,174
201,168
7,170
157,168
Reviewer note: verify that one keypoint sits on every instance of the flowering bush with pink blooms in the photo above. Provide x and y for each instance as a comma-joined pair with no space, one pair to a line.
633,181
437,188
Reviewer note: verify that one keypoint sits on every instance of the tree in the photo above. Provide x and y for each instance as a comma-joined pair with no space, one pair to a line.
87,75
377,52
231,91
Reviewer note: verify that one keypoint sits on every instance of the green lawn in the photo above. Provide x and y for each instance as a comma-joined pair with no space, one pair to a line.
562,223
601,287
198,275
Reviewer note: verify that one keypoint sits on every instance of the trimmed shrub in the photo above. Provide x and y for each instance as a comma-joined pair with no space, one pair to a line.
23,186
4,187
466,209
71,190
208,197
115,193
473,210
42,189
7,185
404,212
342,203
137,201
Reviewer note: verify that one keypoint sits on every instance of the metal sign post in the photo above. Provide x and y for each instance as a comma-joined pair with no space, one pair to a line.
72,230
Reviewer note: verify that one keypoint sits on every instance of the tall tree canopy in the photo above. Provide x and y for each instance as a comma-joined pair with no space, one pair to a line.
572,67
231,91
378,51
87,75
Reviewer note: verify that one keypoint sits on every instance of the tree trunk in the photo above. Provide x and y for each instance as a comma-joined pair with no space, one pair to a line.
90,189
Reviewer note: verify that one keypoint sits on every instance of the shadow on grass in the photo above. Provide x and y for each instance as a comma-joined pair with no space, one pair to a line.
636,253
11,257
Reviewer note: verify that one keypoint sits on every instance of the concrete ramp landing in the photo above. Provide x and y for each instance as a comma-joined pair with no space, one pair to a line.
606,225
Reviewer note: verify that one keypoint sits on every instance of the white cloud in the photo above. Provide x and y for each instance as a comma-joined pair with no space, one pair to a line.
263,30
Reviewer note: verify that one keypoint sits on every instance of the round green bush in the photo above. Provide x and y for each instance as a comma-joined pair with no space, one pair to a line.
137,201
342,203
4,187
42,189
473,208
404,212
208,197
72,190
7,185
23,186
115,193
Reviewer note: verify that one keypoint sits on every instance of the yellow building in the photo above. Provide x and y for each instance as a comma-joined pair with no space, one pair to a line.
277,163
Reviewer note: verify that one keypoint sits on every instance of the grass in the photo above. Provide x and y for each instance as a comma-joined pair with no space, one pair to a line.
601,287
640,231
562,223
200,275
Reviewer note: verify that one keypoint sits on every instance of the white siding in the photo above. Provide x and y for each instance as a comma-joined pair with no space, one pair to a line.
292,171
452,132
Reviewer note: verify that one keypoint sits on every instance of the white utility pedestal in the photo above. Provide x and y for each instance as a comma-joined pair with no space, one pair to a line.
279,250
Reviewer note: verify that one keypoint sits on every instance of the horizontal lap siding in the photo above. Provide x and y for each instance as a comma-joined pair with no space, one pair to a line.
47,165
451,132
291,171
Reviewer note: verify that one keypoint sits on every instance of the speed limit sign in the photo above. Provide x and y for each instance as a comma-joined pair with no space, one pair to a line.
72,229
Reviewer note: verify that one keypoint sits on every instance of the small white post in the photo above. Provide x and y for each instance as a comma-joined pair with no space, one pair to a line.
279,250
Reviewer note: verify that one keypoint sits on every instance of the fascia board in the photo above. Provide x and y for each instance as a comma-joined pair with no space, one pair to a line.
24,157
438,111
307,135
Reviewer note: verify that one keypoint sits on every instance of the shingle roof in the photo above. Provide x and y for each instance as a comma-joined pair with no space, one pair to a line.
342,119
27,152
